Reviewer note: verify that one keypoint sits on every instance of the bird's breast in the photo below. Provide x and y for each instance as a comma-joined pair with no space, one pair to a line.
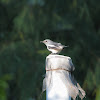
53,50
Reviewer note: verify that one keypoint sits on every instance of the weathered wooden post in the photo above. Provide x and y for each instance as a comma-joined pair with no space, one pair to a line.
58,82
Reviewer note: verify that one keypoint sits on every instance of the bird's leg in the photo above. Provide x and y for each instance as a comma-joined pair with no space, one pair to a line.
52,53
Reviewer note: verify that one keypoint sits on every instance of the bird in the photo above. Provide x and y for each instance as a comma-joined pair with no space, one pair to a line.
52,46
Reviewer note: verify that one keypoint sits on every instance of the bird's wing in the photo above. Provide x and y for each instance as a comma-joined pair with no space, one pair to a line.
56,44
53,47
59,44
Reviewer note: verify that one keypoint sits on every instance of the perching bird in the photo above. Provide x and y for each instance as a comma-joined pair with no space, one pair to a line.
54,47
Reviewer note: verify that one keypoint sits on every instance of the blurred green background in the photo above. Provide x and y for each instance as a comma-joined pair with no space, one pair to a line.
24,23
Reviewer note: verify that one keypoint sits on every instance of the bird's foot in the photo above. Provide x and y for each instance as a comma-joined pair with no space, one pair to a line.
53,53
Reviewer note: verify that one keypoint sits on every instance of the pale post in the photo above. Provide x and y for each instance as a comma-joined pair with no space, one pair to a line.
58,82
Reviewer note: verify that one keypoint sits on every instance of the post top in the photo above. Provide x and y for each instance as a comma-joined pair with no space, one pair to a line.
55,61
58,56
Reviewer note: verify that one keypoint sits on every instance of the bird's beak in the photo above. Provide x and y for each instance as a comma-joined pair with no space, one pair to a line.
41,41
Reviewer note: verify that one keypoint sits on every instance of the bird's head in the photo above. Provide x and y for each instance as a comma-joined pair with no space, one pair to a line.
46,41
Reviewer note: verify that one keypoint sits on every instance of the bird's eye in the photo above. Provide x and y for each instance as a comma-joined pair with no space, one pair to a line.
45,41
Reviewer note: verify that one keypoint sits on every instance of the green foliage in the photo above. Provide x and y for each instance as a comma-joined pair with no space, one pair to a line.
23,23
98,94
4,86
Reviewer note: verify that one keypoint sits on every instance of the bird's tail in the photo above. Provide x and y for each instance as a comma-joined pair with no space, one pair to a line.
66,46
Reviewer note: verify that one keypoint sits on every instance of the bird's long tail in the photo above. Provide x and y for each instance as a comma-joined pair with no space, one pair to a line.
66,46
